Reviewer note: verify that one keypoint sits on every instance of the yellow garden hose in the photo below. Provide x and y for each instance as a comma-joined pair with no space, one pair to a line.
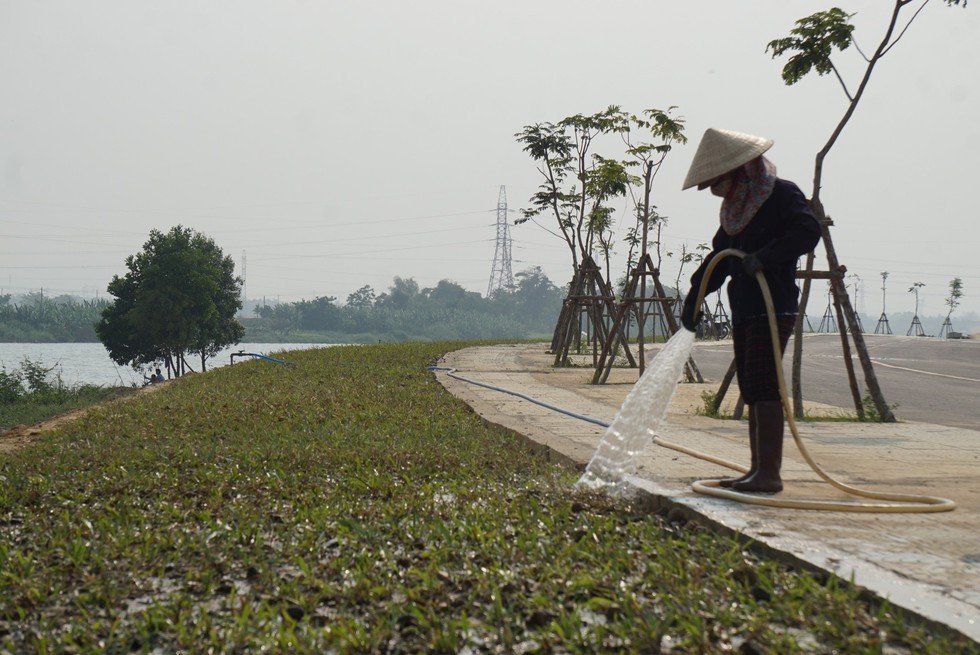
896,503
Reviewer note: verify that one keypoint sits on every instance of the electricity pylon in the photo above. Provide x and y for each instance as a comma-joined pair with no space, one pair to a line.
501,275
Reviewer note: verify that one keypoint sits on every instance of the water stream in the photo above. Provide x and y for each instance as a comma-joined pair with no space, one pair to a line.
638,419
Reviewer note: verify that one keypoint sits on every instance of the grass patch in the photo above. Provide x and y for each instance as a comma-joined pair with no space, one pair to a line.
710,409
350,504
709,406
30,411
32,393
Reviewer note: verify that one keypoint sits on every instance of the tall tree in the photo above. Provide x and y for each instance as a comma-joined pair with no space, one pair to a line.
401,294
812,43
814,40
362,298
915,290
577,181
648,143
955,294
537,297
179,297
449,294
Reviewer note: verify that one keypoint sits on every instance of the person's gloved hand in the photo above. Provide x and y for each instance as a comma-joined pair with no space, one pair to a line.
687,312
751,264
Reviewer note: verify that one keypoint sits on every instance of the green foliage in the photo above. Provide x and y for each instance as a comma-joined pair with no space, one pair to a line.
35,375
37,318
349,504
30,394
685,257
446,311
580,183
363,297
955,294
870,410
180,296
813,40
11,386
709,406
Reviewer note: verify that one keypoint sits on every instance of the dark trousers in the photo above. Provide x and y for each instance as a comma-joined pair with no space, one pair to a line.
754,365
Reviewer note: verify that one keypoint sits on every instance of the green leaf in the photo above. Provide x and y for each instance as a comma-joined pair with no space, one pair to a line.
813,40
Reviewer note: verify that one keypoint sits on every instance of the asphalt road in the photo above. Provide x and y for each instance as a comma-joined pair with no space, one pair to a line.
922,378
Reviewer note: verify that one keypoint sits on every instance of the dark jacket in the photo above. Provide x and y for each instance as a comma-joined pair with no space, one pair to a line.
782,230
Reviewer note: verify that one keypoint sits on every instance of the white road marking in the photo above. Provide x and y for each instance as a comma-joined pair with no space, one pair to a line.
915,370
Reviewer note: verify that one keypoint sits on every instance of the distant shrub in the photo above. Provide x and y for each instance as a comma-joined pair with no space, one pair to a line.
11,386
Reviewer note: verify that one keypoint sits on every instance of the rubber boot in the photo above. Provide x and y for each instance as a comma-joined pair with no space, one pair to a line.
769,443
754,466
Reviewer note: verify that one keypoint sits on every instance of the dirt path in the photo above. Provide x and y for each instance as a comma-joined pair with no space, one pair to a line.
21,435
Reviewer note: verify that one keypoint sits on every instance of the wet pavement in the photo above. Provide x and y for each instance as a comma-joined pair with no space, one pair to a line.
926,563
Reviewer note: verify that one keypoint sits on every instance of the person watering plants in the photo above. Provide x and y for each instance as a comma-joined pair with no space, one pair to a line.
770,220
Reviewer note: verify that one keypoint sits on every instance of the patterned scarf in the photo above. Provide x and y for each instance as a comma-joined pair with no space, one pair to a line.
752,184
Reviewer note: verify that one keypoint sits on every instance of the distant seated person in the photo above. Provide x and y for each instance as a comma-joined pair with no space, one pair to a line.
156,377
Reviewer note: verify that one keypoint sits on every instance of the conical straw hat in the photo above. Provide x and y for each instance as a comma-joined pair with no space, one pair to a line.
721,151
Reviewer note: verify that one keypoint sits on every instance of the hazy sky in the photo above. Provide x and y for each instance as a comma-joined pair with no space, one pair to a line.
331,145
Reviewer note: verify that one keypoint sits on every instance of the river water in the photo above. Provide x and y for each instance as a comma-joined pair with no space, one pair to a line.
88,363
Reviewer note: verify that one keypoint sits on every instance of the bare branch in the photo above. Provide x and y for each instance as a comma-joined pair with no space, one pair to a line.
818,166
842,83
858,48
907,25
535,221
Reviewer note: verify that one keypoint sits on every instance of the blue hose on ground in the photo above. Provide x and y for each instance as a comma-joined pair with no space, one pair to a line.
271,359
451,372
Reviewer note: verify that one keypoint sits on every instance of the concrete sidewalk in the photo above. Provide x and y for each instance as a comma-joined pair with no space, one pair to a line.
927,563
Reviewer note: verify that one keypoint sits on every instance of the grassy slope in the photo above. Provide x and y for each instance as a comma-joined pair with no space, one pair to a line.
31,410
350,503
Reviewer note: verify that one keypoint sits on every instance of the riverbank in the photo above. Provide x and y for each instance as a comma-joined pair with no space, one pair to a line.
89,364
350,503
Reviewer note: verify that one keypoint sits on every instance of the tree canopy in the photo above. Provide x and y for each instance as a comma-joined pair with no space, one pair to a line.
580,184
179,297
955,295
406,311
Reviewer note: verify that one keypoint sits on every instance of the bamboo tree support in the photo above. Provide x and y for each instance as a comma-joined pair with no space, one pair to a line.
721,324
565,315
621,316
883,327
835,273
828,323
946,328
591,296
846,348
626,306
916,327
570,316
797,363
806,319
726,383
